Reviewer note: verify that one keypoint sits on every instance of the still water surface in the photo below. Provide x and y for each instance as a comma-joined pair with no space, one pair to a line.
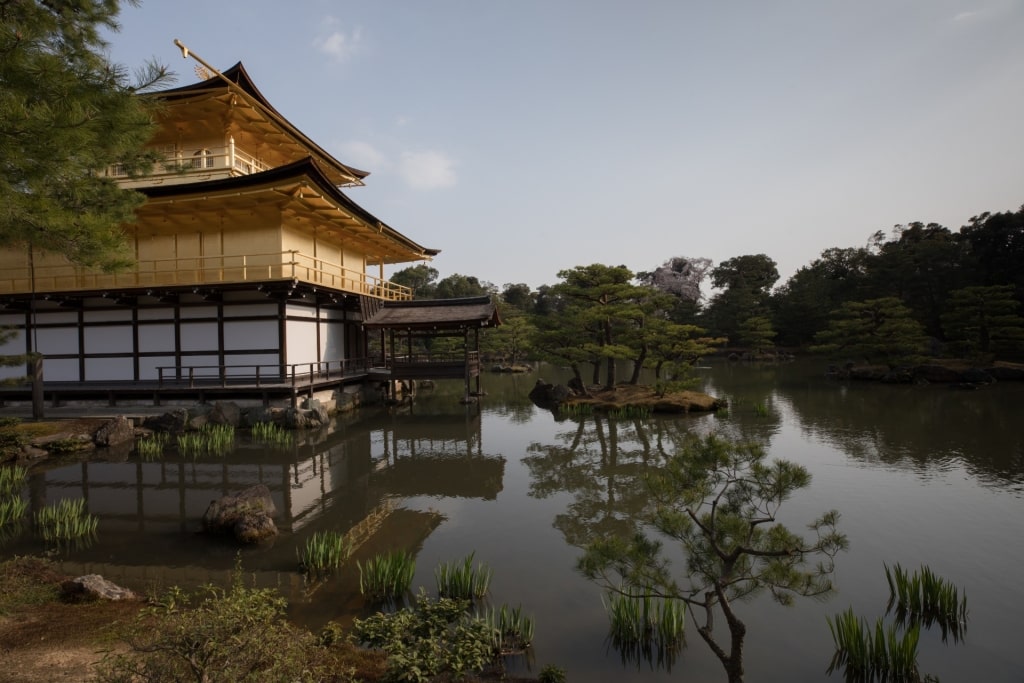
920,474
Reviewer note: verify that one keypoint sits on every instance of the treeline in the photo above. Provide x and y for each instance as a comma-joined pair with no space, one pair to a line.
921,290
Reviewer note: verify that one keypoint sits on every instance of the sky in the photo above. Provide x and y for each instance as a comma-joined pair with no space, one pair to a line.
526,137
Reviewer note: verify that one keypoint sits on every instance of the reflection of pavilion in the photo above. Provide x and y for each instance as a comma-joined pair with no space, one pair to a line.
436,455
349,482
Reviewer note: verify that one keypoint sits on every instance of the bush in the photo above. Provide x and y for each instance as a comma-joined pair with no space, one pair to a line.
431,638
219,636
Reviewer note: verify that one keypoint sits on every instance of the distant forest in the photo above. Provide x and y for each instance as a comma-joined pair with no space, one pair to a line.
922,290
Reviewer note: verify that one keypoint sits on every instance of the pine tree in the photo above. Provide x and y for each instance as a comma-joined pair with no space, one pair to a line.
66,114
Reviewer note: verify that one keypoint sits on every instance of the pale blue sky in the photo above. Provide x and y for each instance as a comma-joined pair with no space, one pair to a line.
525,137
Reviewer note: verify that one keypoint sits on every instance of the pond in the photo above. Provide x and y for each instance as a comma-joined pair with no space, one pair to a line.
920,475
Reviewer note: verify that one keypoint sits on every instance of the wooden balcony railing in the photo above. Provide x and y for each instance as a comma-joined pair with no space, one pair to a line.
225,161
202,270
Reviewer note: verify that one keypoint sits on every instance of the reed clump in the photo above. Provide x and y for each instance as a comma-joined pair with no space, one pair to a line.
12,509
927,599
387,577
152,447
66,521
575,409
324,552
211,440
629,412
271,434
867,653
643,627
512,630
463,581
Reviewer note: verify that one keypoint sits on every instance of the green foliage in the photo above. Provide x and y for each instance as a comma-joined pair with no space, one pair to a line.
271,434
981,322
925,598
756,333
428,640
644,627
66,521
878,653
11,440
512,630
719,500
462,581
324,552
12,509
218,636
388,576
552,674
212,440
67,113
875,330
12,479
745,283
152,447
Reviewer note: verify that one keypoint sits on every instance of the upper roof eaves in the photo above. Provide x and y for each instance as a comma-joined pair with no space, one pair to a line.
242,82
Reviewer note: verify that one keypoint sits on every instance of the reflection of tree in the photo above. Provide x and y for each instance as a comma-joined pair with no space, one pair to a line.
602,463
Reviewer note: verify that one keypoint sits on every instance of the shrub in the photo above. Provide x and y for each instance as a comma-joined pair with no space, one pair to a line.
429,639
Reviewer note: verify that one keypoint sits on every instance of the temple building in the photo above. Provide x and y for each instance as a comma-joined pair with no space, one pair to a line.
251,259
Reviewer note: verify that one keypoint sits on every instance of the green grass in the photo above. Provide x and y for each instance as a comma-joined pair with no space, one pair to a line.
211,440
927,599
66,521
461,581
387,577
644,628
879,653
512,630
12,479
324,552
271,434
152,447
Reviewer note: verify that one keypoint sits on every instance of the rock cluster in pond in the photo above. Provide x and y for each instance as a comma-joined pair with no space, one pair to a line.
955,374
311,414
247,515
551,396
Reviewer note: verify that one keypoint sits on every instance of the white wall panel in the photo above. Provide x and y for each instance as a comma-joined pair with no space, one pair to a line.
149,364
55,318
55,340
250,334
301,342
108,316
205,366
332,341
156,314
199,312
113,339
250,310
14,345
60,370
108,369
295,311
198,336
156,337
12,320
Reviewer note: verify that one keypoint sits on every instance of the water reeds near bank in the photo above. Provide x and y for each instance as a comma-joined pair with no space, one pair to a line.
211,440
324,552
66,521
152,447
12,509
462,581
512,630
387,577
924,597
637,618
12,479
575,409
866,653
271,434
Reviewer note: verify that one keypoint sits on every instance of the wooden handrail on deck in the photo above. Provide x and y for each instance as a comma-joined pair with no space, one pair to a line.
296,375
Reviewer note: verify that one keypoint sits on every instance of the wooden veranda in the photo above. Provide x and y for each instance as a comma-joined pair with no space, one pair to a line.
405,323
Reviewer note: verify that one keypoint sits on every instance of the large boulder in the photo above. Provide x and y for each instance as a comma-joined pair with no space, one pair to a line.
549,396
116,431
94,587
247,515
174,421
225,413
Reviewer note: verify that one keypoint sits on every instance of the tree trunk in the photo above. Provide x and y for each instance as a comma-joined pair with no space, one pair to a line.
37,387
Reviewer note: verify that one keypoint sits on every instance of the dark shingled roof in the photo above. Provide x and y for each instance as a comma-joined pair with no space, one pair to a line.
425,314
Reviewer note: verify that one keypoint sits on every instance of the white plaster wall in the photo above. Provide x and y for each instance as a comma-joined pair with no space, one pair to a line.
60,370
250,334
57,340
107,316
156,337
156,314
199,336
114,339
199,312
53,318
237,310
269,365
301,341
106,369
149,364
332,341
